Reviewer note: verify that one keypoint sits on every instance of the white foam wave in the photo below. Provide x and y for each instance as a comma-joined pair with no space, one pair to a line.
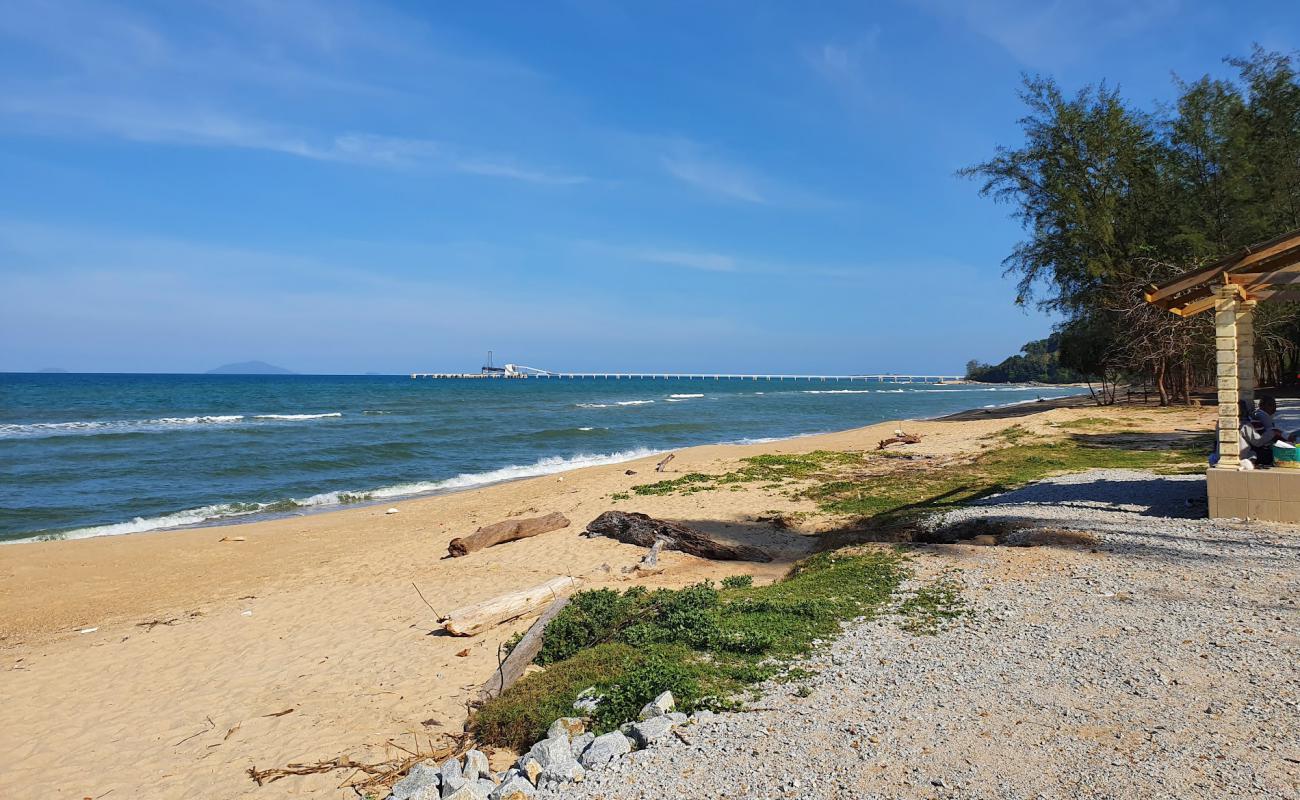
837,391
37,430
634,402
467,480
1014,403
684,396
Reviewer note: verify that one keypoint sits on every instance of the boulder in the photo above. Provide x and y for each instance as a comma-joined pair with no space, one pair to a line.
476,766
558,775
580,743
660,705
568,726
552,751
677,717
605,749
421,775
452,777
487,786
515,787
467,791
530,768
650,730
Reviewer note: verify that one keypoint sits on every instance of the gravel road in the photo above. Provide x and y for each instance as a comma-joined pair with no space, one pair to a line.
1140,651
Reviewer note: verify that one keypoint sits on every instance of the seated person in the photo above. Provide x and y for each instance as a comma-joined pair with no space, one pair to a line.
1265,414
1252,439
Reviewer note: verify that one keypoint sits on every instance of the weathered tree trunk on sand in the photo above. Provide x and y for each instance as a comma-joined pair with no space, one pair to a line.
507,531
639,529
907,438
473,620
512,669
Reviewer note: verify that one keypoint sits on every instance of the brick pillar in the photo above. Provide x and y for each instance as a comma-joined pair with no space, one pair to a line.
1226,372
1246,349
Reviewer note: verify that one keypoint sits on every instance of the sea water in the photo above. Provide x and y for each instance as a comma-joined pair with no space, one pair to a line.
96,455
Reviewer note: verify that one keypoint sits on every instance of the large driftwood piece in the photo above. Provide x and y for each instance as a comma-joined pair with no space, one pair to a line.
473,620
507,531
901,438
639,529
512,668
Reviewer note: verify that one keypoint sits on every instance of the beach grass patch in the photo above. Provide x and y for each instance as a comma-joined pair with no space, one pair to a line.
773,469
704,643
903,495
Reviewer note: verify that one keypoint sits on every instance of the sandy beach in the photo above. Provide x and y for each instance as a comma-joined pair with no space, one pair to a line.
167,664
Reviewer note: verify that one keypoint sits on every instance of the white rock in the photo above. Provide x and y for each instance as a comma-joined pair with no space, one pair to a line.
660,705
604,749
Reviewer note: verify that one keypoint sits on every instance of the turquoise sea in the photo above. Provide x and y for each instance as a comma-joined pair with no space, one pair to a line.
95,455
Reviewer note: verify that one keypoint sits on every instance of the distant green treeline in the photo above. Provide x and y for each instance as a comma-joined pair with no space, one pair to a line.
1113,198
1037,362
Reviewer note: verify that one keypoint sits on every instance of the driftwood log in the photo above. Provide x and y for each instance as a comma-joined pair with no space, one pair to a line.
639,529
507,531
473,620
906,438
512,668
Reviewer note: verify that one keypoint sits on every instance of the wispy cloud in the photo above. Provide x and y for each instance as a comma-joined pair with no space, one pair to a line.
706,261
691,166
844,65
1048,35
254,79
136,121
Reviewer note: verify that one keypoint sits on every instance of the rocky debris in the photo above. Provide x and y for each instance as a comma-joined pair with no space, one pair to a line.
552,751
646,732
604,749
568,726
588,700
476,766
1084,669
452,777
658,706
420,777
515,787
580,742
467,791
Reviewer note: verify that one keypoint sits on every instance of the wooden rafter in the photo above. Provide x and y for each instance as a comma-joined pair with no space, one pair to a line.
1258,272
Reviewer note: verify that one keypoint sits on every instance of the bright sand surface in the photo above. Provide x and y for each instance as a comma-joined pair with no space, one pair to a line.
317,614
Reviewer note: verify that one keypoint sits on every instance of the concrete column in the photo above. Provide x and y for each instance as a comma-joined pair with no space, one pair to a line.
1246,349
1226,372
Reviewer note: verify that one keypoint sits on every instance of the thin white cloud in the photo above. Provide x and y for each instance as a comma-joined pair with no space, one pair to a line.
845,66
709,262
1048,35
136,121
714,176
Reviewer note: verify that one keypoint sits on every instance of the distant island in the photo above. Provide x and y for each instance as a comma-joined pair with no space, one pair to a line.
250,368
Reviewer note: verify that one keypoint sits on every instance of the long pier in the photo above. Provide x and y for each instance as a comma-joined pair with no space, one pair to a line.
688,376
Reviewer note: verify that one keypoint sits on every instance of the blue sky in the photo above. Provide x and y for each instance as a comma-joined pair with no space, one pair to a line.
348,187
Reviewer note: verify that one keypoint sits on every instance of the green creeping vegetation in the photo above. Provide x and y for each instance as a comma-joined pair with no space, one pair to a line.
616,496
932,606
773,469
902,495
1093,423
702,643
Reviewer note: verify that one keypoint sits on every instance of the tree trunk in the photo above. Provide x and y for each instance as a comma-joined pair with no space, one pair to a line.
473,620
1161,366
512,669
639,529
507,531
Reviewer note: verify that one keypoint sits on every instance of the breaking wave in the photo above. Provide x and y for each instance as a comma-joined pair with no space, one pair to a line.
467,480
38,430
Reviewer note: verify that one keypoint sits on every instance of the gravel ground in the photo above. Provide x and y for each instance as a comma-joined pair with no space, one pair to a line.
1156,660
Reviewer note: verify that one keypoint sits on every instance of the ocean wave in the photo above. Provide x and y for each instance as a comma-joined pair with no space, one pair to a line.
683,396
1015,403
634,402
837,391
467,480
38,430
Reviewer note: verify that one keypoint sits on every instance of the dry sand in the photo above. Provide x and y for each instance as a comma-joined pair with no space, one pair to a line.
316,616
